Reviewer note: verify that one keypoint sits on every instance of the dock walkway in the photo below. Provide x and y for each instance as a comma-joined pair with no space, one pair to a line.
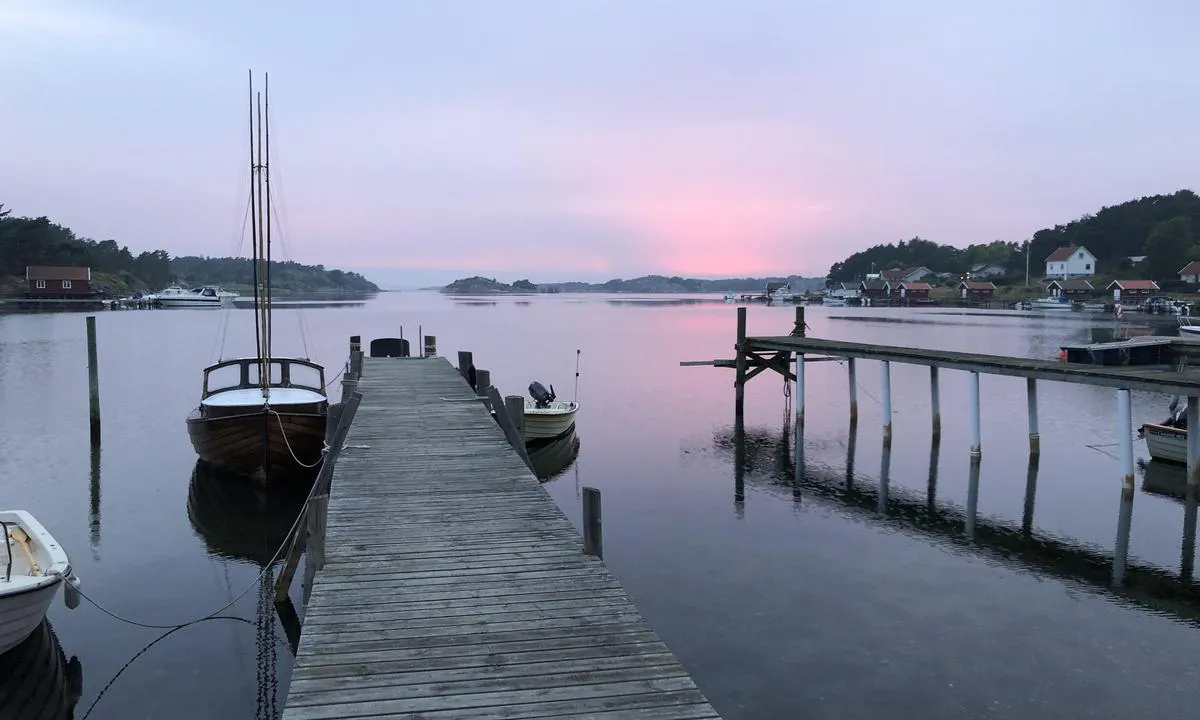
454,586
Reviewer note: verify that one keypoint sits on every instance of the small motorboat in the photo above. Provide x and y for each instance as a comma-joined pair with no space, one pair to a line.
546,416
1167,440
1057,302
34,565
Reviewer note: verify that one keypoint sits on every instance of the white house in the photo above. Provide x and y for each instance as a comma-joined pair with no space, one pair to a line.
1069,262
987,270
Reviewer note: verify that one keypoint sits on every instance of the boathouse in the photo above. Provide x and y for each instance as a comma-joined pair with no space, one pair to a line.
976,290
1075,288
915,291
58,281
1125,290
1190,273
875,288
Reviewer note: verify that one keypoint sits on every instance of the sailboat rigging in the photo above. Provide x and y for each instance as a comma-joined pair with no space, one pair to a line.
262,415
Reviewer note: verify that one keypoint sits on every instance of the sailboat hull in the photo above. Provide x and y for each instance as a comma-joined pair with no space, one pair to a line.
282,442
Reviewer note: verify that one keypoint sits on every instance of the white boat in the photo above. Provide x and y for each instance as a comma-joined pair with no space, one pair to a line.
833,301
1051,303
34,565
546,416
1167,440
1188,325
206,296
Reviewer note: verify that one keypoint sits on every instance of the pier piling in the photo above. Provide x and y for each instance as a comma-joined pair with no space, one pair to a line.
799,393
430,346
483,382
1035,442
852,377
887,401
1193,440
935,401
515,405
93,381
739,381
976,440
1125,456
593,526
465,362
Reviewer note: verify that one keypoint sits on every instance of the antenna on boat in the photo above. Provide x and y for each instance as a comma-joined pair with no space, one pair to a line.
576,398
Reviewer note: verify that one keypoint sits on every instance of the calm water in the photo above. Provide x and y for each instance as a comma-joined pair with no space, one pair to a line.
813,597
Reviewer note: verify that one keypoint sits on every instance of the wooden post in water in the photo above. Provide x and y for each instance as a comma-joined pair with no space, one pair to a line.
976,440
356,355
799,395
1035,441
852,376
887,401
593,527
430,346
465,361
739,381
515,405
1193,440
93,380
483,382
1125,455
799,326
935,400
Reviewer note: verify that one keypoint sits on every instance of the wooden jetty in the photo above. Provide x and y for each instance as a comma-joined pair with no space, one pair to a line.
452,585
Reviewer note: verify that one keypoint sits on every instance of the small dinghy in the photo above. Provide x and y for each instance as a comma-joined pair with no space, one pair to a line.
34,565
1167,440
546,416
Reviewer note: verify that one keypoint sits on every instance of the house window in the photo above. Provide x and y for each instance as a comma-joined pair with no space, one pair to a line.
1087,267
1080,256
66,284
41,285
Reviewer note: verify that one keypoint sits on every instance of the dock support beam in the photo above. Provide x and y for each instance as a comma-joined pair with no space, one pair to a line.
93,380
799,393
1035,441
739,381
593,527
852,376
1125,456
1193,440
515,404
976,440
887,401
935,400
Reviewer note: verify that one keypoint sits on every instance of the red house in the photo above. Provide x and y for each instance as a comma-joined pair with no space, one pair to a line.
1132,289
976,291
915,290
53,281
1075,289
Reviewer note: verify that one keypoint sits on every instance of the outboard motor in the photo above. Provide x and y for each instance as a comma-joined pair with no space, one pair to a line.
541,397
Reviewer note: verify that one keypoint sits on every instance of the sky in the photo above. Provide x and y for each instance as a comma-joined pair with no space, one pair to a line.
417,142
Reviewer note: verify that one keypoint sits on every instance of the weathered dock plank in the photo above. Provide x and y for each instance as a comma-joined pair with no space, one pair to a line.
454,586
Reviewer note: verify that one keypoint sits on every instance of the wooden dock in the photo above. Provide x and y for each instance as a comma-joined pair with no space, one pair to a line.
453,585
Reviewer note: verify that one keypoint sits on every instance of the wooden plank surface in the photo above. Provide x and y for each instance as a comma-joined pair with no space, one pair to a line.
1153,378
454,586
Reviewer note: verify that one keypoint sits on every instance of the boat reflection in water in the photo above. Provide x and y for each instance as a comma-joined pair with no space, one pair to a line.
238,520
37,681
553,457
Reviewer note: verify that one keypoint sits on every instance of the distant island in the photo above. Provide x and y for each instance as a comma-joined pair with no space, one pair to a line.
38,241
646,284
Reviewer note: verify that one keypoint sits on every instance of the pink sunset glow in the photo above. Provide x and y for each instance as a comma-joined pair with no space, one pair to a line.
525,139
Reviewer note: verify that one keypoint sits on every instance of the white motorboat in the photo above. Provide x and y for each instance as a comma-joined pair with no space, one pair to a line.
1189,325
34,566
206,296
1060,302
1167,440
546,416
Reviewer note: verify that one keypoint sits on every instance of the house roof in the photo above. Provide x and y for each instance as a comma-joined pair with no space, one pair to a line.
894,274
1133,285
57,272
980,266
1192,268
977,285
874,285
916,286
1072,284
1063,253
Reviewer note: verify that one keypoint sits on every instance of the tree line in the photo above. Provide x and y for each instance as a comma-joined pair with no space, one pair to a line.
1160,227
28,241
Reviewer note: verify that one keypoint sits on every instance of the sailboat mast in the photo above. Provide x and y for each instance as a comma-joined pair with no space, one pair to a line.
264,370
254,217
267,173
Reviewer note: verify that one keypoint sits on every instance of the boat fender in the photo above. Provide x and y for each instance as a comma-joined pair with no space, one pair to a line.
71,592
1062,355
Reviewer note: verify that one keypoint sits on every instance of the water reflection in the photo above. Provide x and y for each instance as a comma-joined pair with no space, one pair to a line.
94,498
37,681
241,520
553,457
760,456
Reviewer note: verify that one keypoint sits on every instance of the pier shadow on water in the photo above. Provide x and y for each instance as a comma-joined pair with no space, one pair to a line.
765,459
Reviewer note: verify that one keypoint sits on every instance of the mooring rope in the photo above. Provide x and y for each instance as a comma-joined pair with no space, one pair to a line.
288,444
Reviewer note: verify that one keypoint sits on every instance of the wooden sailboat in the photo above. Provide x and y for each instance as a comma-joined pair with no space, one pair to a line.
264,415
